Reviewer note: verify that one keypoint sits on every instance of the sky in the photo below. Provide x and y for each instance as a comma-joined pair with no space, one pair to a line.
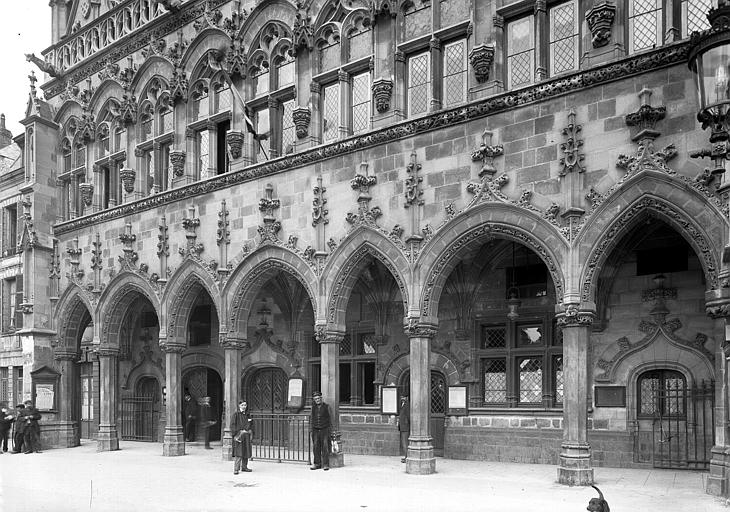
25,27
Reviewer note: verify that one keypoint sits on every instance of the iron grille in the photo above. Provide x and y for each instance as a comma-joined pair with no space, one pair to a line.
281,437
495,381
139,418
530,380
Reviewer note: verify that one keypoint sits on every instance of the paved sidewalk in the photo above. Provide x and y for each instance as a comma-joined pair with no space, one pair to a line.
139,478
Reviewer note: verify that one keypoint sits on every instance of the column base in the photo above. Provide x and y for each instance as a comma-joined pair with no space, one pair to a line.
173,443
227,446
575,465
420,459
60,434
107,440
717,481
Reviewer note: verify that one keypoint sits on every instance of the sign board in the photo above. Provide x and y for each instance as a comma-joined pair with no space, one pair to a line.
610,396
44,389
295,393
44,396
458,401
389,402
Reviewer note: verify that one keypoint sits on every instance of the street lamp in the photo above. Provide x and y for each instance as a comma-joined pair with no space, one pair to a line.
709,60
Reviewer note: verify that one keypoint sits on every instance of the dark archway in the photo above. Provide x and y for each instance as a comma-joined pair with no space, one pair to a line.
265,390
201,381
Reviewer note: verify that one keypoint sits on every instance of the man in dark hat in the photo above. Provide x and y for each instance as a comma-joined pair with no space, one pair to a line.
190,409
319,425
32,431
404,426
19,429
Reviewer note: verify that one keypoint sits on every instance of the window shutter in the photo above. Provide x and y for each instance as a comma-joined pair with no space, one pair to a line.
18,301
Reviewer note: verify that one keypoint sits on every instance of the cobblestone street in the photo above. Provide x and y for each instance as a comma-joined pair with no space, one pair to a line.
138,478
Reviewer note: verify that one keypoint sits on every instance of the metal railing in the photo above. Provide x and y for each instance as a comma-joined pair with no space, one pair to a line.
281,437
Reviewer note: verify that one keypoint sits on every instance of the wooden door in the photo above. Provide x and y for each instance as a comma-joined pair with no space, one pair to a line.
439,394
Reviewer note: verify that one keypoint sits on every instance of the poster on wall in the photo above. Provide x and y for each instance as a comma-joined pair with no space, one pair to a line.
45,380
389,403
44,395
295,393
457,401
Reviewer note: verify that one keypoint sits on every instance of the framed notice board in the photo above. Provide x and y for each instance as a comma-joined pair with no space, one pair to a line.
609,396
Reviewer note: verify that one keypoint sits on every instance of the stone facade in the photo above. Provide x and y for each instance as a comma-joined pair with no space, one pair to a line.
497,242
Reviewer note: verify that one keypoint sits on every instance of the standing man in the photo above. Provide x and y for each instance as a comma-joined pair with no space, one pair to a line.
190,411
241,430
19,428
206,414
6,420
319,424
32,438
404,426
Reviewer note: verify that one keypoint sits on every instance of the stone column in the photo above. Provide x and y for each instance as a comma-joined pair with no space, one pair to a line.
108,437
173,443
420,459
575,452
330,383
69,434
231,387
718,308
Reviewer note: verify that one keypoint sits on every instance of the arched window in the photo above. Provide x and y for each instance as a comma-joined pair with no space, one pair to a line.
272,92
661,392
209,122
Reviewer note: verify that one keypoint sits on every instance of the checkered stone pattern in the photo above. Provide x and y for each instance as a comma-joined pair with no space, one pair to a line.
495,381
531,380
563,38
644,22
360,102
287,127
331,112
521,52
454,73
419,80
694,14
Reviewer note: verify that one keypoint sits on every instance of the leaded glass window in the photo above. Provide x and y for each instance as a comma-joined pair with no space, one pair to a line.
224,98
530,380
103,142
146,131
520,52
200,105
661,393
419,81
66,151
495,381
285,73
262,127
558,379
694,15
202,140
361,102
645,22
288,132
165,120
80,155
494,337
564,37
261,81
455,73
331,111
149,170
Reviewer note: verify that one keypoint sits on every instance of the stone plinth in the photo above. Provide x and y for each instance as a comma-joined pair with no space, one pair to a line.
108,439
575,465
420,460
173,444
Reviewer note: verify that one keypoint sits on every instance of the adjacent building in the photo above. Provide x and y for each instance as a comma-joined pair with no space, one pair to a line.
490,206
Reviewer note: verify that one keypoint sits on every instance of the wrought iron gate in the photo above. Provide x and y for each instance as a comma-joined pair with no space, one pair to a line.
139,418
681,432
281,437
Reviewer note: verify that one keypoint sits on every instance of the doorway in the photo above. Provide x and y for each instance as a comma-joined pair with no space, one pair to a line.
201,381
439,405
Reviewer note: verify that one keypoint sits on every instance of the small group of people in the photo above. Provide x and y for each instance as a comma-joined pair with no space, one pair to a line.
191,411
26,432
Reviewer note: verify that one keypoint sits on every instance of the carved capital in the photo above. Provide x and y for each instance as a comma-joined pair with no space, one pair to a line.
414,328
65,354
177,162
107,351
573,316
382,91
87,193
234,139
172,348
481,58
600,19
128,176
301,117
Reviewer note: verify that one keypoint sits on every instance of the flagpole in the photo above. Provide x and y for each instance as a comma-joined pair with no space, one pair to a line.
215,65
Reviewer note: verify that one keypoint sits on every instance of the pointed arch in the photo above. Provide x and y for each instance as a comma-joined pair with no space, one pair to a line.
108,89
195,58
70,108
439,362
69,316
153,66
180,295
115,300
278,10
477,225
351,257
685,210
256,269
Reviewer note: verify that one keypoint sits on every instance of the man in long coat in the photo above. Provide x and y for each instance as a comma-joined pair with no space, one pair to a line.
32,440
241,430
190,409
319,424
404,426
19,428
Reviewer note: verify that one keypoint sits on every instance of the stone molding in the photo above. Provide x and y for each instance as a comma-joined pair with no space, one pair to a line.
481,58
414,328
382,91
573,316
600,20
665,56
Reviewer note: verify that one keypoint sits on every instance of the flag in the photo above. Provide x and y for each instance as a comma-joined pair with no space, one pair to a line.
251,127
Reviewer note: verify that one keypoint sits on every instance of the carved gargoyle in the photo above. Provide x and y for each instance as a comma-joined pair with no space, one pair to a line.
42,65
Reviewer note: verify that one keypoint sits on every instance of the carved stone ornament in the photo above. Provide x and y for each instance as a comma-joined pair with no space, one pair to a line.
382,91
573,316
87,192
486,152
303,31
235,139
416,329
301,117
128,176
572,159
600,19
481,58
128,110
319,211
177,160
